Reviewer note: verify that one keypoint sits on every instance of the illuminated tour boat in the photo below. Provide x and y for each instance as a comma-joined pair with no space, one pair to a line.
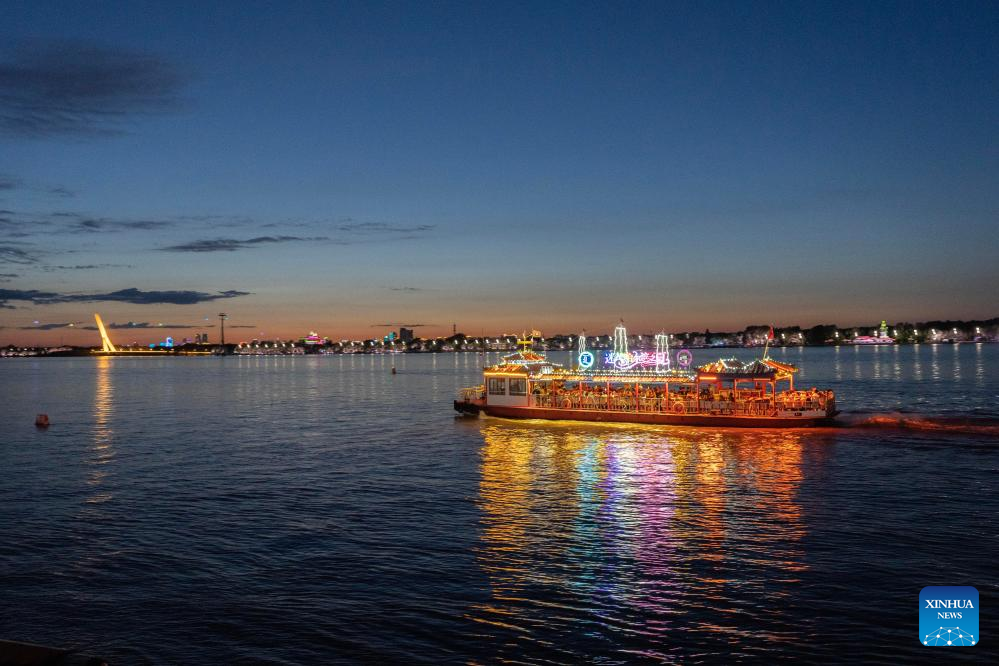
880,337
659,388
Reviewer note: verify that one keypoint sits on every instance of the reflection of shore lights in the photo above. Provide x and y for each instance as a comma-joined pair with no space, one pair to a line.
586,360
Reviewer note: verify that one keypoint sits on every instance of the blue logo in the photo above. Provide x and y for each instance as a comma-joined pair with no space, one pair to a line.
948,616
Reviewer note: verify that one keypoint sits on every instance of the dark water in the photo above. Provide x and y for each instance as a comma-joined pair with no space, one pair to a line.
316,510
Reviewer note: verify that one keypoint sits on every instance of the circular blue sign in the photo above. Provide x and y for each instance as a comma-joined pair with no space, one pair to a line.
586,360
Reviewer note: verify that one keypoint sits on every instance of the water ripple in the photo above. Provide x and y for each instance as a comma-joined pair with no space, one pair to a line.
323,510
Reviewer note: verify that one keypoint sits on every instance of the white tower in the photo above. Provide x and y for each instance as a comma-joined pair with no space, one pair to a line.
621,340
662,352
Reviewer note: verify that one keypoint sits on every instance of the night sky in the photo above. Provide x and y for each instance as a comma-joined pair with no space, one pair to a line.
347,168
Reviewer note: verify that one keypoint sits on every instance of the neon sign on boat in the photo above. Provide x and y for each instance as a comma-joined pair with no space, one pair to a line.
631,360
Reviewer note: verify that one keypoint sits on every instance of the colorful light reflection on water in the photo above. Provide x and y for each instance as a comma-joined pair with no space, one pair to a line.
638,526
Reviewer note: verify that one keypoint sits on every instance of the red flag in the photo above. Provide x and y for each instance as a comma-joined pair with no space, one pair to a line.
770,333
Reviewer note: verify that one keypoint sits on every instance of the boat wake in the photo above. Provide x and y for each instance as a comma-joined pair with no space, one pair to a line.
957,425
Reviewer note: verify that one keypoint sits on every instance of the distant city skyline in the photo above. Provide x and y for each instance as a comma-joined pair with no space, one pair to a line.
353,168
148,333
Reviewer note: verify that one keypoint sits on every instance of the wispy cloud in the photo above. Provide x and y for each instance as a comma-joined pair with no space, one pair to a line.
98,224
49,327
407,289
9,183
146,324
233,244
22,224
83,267
80,89
344,231
132,295
382,228
12,254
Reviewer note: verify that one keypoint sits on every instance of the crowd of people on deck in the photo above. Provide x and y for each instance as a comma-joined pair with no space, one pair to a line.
679,398
803,400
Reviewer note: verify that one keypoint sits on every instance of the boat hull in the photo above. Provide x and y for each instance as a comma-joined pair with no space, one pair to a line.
649,418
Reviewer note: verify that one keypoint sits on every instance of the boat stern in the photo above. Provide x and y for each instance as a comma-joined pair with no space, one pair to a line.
471,401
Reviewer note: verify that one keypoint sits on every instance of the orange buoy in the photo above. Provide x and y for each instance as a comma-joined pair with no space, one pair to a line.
42,420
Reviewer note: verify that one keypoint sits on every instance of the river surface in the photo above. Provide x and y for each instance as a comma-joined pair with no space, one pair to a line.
322,510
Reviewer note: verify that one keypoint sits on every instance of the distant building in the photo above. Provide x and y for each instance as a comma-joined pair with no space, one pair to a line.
405,334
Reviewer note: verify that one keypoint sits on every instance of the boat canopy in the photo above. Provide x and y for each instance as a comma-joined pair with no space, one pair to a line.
524,358
730,368
522,363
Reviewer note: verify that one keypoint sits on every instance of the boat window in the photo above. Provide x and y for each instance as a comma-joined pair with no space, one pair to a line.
497,386
518,387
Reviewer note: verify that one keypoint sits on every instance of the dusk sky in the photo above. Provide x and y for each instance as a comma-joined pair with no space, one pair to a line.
347,168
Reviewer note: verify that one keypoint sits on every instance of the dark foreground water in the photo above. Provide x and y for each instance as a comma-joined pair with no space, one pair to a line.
317,510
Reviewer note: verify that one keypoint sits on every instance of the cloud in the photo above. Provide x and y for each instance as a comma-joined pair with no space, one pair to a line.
132,295
346,233
8,182
351,233
139,297
242,326
14,224
22,224
146,324
233,244
10,254
91,224
80,89
7,277
84,267
383,228
28,295
407,289
222,221
48,327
